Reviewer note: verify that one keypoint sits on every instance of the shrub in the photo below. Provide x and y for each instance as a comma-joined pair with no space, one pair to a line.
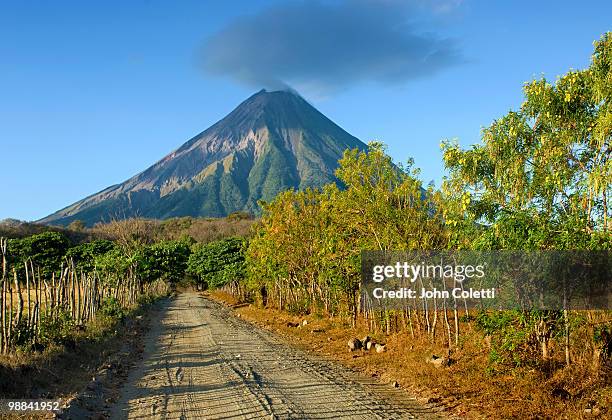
217,263
46,250
111,308
57,329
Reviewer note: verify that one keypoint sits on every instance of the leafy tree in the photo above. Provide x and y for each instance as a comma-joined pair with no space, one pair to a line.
217,263
542,176
385,205
163,260
540,180
77,226
46,250
113,265
307,249
84,255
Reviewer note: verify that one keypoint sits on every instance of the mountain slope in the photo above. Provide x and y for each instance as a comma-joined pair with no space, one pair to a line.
271,142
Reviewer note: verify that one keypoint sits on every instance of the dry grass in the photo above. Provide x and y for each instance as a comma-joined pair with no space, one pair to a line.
43,298
202,230
59,370
62,371
79,293
148,230
465,388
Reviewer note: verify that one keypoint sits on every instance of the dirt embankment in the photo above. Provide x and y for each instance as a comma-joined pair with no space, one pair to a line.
464,388
73,370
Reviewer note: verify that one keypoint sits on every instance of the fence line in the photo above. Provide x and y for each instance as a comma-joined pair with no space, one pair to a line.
27,304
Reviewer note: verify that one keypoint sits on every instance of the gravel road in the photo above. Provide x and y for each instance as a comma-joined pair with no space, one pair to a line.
201,362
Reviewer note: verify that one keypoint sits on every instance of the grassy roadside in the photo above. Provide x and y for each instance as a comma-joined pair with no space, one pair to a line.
465,388
62,371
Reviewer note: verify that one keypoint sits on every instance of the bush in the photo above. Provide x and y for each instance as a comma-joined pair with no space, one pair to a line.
57,329
84,255
516,334
22,335
165,260
111,308
46,250
218,263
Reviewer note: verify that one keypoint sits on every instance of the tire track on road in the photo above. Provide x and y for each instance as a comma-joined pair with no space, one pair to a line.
201,362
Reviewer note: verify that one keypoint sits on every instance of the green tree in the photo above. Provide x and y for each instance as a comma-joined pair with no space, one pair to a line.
46,250
540,180
542,176
113,266
163,260
218,263
307,249
84,255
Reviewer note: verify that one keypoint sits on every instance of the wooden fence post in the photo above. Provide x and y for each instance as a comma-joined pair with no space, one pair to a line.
3,333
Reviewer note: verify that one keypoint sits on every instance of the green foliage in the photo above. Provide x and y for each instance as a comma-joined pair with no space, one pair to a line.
540,180
124,266
217,263
542,176
57,328
147,299
113,265
111,307
163,260
46,250
514,333
84,255
307,245
22,336
299,307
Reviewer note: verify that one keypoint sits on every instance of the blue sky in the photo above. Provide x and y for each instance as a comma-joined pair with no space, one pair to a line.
93,92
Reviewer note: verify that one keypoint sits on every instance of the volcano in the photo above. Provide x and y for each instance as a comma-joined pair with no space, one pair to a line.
271,142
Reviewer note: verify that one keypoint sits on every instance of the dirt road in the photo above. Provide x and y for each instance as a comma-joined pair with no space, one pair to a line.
201,362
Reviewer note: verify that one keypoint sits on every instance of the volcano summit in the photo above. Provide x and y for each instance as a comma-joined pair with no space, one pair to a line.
271,142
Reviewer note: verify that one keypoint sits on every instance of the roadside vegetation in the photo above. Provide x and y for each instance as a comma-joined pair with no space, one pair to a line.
540,180
68,294
56,280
